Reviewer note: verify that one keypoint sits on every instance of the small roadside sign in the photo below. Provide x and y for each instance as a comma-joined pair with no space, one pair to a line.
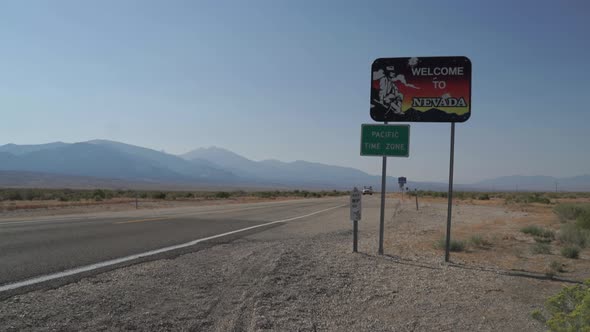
355,204
401,180
355,215
385,140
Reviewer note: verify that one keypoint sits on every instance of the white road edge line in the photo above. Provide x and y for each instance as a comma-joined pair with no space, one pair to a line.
99,265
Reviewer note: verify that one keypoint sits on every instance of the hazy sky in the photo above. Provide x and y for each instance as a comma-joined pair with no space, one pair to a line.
290,80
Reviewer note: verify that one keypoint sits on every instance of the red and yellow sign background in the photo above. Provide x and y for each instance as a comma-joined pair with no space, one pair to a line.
423,86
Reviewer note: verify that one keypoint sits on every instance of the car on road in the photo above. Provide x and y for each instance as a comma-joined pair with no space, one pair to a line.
368,190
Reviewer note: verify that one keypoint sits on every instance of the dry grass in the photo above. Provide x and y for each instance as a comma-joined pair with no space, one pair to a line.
510,250
44,208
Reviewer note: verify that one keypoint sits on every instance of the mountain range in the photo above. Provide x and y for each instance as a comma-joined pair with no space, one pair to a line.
110,164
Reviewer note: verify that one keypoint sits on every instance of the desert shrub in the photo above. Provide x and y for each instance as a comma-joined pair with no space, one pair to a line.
28,195
159,195
440,244
569,233
553,269
479,241
570,211
483,197
265,194
541,249
430,193
583,220
15,196
538,315
527,198
556,266
222,195
459,195
538,198
99,193
455,245
567,211
542,239
568,310
570,252
538,231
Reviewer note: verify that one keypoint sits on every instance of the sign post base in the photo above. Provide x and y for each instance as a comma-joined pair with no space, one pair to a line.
355,229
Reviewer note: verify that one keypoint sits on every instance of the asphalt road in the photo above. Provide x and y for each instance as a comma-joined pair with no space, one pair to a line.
42,246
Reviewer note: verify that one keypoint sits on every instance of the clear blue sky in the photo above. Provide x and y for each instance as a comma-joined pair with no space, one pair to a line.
290,80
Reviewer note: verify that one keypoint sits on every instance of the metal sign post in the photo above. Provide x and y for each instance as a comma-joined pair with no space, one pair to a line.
450,195
416,192
384,141
355,215
382,212
355,230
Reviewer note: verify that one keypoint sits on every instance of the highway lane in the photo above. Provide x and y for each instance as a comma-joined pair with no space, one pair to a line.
41,246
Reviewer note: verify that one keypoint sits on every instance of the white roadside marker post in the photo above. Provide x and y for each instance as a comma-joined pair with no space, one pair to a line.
355,215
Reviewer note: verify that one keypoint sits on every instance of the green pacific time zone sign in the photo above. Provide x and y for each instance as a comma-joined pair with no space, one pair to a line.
385,140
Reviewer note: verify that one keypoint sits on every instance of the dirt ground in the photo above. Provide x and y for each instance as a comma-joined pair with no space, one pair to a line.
498,223
301,276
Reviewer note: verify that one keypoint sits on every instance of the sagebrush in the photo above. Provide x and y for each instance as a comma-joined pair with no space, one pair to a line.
568,310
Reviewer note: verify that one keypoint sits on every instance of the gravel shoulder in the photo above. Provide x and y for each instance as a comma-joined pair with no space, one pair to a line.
300,276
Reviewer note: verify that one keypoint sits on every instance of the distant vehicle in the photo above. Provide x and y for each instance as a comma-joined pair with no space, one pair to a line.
368,190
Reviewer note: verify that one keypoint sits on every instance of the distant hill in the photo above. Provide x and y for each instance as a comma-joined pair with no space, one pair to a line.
225,159
112,164
538,183
107,159
21,179
51,180
24,149
197,170
294,174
